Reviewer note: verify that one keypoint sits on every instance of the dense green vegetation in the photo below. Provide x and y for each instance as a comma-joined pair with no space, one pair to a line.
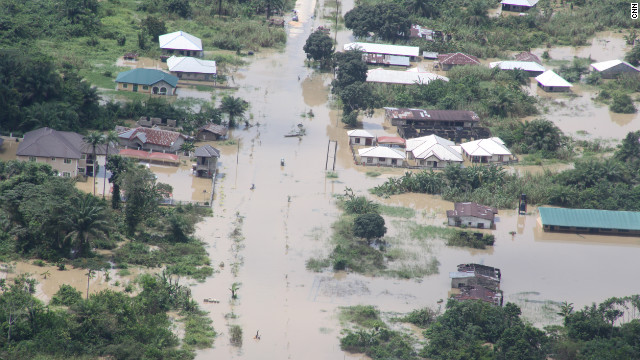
610,184
107,324
469,239
479,330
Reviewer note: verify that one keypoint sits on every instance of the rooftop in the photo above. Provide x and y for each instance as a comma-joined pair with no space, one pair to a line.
207,151
381,152
215,129
146,77
589,218
479,293
472,209
432,145
180,40
522,65
528,3
151,136
435,115
550,78
602,66
458,59
390,140
360,133
47,142
527,56
191,65
384,49
486,147
408,77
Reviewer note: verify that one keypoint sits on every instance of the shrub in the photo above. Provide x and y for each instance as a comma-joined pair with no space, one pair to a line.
622,104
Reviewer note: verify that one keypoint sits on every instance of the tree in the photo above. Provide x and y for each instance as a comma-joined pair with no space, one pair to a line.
357,96
117,165
633,56
154,27
622,104
94,139
350,68
233,106
234,290
109,138
187,147
387,21
86,222
369,226
143,195
629,149
319,47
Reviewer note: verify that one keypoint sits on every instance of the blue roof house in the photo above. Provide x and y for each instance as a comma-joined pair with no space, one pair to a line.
150,81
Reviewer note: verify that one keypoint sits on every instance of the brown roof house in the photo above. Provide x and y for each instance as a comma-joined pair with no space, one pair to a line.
479,293
527,56
419,122
211,131
207,161
471,214
65,151
447,61
477,282
151,139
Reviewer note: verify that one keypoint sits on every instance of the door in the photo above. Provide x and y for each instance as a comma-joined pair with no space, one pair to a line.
435,164
135,87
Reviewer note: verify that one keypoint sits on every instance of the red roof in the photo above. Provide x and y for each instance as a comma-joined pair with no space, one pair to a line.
458,59
140,154
390,140
527,56
151,136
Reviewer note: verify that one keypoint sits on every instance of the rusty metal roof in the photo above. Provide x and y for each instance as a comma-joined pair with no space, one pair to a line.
458,59
527,56
151,136
435,115
472,209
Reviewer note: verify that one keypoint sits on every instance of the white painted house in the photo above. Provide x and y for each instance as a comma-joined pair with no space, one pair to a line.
612,68
433,151
190,68
360,137
397,50
408,77
381,155
180,43
551,82
518,5
492,150
470,214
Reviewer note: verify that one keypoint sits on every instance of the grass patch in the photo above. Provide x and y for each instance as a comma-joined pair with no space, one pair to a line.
235,335
332,175
424,232
198,332
366,316
229,142
373,173
473,240
317,264
421,318
397,211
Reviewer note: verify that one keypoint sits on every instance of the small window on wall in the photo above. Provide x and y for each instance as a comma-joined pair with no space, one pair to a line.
67,161
145,87
53,159
66,174
32,158
369,160
124,86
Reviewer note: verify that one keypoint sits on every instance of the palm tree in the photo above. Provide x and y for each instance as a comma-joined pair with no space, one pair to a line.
109,137
234,106
94,139
87,222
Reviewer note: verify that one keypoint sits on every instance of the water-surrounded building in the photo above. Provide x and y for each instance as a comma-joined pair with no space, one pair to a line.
409,77
433,151
613,68
206,161
470,214
149,81
381,155
590,221
532,68
449,124
518,5
551,82
180,43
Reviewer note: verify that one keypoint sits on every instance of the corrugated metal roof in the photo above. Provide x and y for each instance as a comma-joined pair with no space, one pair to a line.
383,49
590,218
486,147
408,77
434,115
151,136
472,209
432,145
360,133
46,142
527,56
146,77
180,40
381,152
458,59
207,151
191,65
550,78
522,65
604,65
528,3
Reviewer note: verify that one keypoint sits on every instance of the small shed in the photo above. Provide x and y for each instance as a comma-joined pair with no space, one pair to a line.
551,82
211,131
492,150
207,161
613,68
360,137
447,61
431,55
518,5
532,68
472,214
131,56
390,141
381,155
476,274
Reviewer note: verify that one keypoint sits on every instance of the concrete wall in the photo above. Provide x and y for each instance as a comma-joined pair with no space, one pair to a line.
613,72
147,89
207,135
429,162
470,221
354,140
193,76
179,52
57,164
554,88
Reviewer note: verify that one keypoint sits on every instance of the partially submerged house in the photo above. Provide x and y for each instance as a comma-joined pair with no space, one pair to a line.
409,77
528,56
518,5
479,293
381,155
486,151
590,221
151,139
476,275
150,81
397,51
449,124
472,214
206,161
386,60
391,141
417,31
67,152
180,43
551,82
211,131
433,151
532,68
448,61
360,137
190,68
613,68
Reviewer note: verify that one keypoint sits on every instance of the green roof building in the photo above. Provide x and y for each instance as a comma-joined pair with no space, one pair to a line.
149,81
590,221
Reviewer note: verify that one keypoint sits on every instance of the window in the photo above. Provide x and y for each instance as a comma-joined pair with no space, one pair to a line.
32,158
66,174
369,160
163,90
124,86
382,159
145,87
67,161
84,157
53,159
81,170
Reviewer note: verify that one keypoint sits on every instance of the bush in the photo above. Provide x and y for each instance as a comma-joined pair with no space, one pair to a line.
622,104
67,295
469,239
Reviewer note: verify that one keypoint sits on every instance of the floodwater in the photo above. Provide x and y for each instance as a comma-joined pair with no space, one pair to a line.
605,45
